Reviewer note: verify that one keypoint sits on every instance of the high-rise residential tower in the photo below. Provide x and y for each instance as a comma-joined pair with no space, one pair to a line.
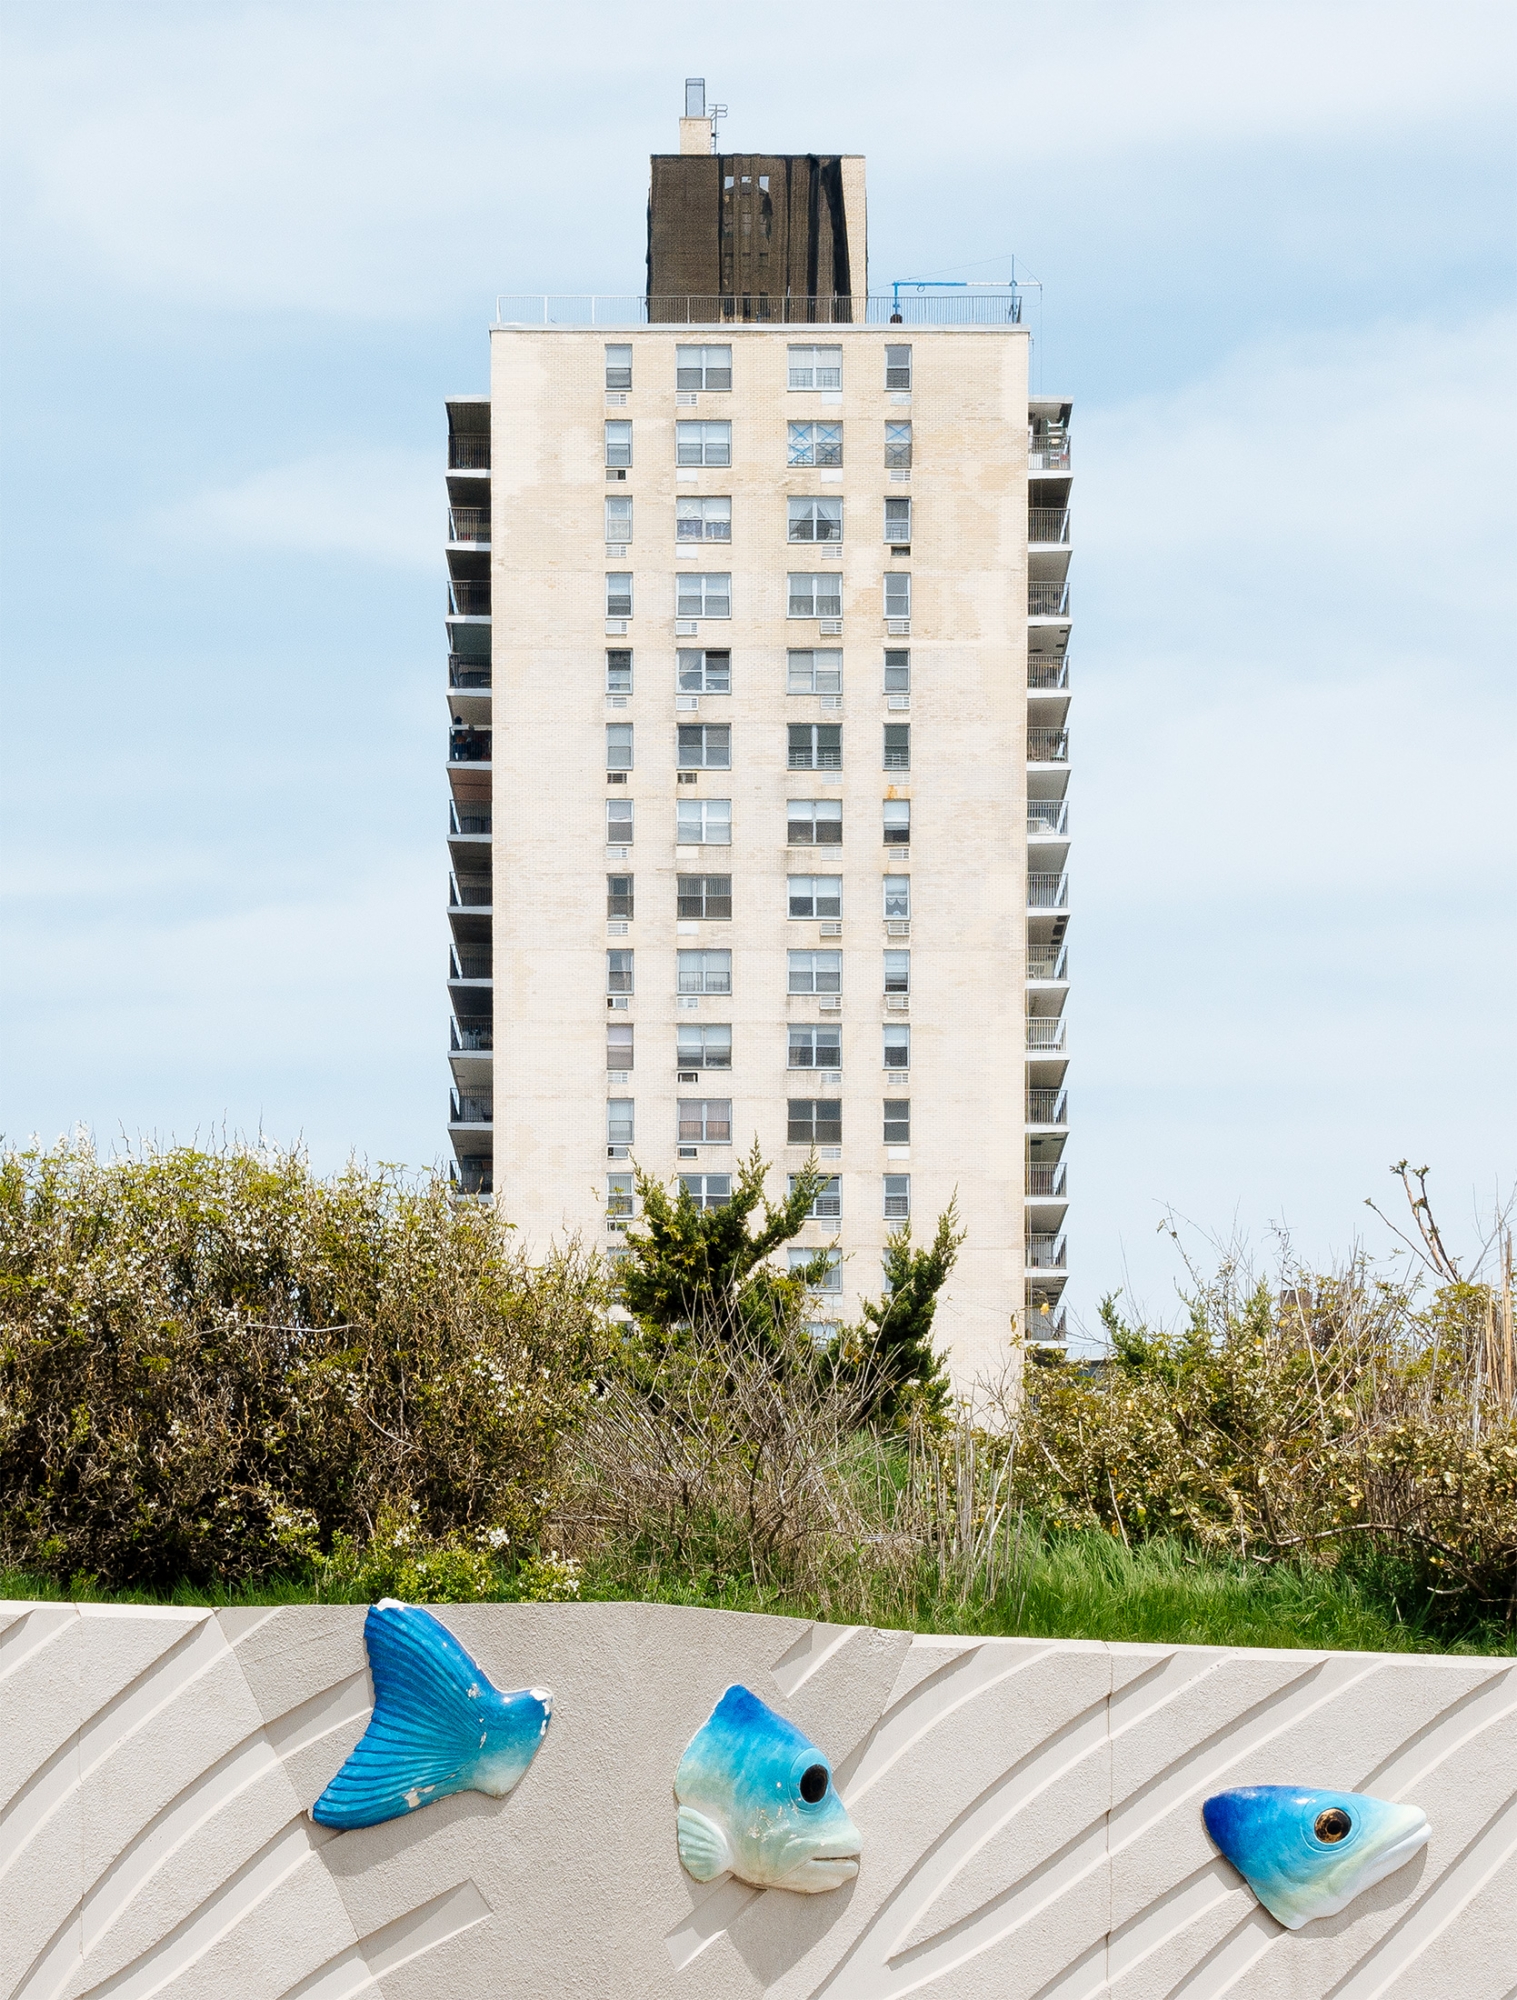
758,624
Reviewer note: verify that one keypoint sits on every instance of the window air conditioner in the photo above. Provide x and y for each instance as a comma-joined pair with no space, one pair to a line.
898,701
689,1152
616,929
830,930
831,1152
687,701
617,1152
615,550
685,399
617,1001
897,1003
616,472
616,777
830,628
616,701
830,1003
687,1076
616,399
616,626
685,628
832,701
901,475
898,927
897,628
686,777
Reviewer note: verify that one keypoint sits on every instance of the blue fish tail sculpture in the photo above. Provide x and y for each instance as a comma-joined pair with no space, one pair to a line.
756,1800
1308,1853
438,1726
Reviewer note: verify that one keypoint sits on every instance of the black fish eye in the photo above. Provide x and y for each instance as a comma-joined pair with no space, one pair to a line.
1333,1825
814,1783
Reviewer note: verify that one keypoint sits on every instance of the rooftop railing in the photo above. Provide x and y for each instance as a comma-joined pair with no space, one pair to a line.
1045,1031
469,596
468,524
471,1037
1043,672
1047,1107
969,305
461,820
1048,892
465,671
1048,746
1048,524
1044,600
1047,1178
1048,815
468,451
1045,1253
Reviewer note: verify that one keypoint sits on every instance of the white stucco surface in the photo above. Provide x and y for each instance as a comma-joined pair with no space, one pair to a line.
1030,1814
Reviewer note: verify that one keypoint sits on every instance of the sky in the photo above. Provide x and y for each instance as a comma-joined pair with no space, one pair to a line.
249,249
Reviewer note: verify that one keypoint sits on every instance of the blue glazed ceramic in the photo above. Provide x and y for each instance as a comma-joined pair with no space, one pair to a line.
1307,1853
438,1726
756,1800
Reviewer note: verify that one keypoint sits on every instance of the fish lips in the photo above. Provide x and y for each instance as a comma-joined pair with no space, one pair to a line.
829,1866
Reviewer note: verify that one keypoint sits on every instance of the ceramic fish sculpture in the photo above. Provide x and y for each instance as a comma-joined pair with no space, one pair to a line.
1306,1853
438,1726
756,1800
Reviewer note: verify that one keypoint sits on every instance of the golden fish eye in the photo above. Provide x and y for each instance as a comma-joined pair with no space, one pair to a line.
1333,1825
813,1783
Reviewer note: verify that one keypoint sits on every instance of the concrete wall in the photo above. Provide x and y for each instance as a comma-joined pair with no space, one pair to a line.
1029,1812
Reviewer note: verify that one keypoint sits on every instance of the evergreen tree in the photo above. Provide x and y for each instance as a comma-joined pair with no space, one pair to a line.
891,1350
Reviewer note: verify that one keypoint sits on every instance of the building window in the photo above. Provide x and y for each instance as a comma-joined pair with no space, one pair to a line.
814,971
897,1121
813,670
816,895
897,1197
705,896
697,520
619,518
814,520
705,1121
898,972
708,368
815,746
898,822
816,367
814,823
898,895
897,1045
705,746
619,822
828,1206
897,670
897,746
815,596
620,1194
815,1047
618,746
618,442
703,971
897,446
619,972
707,1190
703,595
619,594
701,443
618,670
898,523
898,593
831,1279
703,823
814,1121
619,896
619,1121
619,367
897,367
704,670
814,444
618,1045
705,1048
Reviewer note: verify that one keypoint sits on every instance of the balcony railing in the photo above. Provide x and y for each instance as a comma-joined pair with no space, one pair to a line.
1046,965
474,1174
467,671
469,746
1048,815
1045,1253
1046,1178
1047,447
470,964
466,1110
471,1037
472,893
1048,746
468,524
1047,1107
1048,892
1045,673
1045,1031
1048,524
463,820
973,305
468,451
469,596
1046,600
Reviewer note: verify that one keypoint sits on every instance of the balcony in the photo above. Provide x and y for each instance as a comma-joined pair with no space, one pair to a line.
1045,1031
1048,746
1043,672
1049,525
474,1174
475,964
1044,600
466,670
468,451
1047,1107
466,1110
1047,1178
1048,965
471,1037
469,746
462,820
1047,446
469,596
469,524
1045,1253
1048,892
1047,816
470,892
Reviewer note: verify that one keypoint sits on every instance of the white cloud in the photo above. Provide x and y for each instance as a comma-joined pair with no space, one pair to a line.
381,506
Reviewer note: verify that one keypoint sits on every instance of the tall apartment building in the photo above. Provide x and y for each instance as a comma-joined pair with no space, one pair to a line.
758,623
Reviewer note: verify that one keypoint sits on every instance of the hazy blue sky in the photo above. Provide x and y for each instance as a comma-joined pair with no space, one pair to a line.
251,247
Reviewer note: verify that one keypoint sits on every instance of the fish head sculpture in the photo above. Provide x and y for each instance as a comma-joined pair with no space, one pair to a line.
756,1800
438,1725
1307,1853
